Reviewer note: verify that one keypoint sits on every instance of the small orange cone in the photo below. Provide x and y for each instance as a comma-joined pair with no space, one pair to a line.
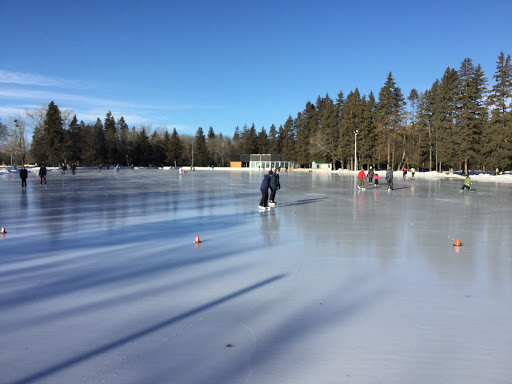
197,241
457,243
3,230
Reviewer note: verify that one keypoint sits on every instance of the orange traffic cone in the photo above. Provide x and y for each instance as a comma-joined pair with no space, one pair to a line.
197,240
3,230
457,243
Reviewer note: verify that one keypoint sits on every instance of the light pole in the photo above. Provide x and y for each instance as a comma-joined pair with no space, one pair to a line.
15,140
355,149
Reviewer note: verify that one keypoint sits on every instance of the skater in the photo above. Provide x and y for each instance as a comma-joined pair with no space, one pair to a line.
467,183
413,171
23,176
274,186
42,175
389,178
265,185
73,168
405,172
370,175
377,177
361,176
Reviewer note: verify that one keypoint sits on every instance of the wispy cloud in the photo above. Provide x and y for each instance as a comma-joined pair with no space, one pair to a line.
21,78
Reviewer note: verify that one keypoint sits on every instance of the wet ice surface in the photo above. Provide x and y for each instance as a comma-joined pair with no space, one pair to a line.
101,282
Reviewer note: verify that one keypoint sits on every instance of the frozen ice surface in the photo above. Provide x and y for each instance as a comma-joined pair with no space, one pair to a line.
101,282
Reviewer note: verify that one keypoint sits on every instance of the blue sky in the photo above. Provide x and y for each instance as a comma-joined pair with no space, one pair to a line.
191,64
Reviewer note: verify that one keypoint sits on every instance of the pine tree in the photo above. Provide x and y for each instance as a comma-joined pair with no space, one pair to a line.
75,136
367,136
53,135
498,132
142,153
126,142
175,149
262,141
390,114
201,155
98,143
272,140
157,156
444,119
287,139
111,139
471,114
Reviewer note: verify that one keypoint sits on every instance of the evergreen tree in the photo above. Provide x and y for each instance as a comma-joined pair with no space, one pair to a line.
211,144
142,153
111,139
262,141
390,114
444,120
272,140
498,132
99,149
126,142
287,139
157,156
53,135
201,155
414,133
37,146
305,125
367,132
237,142
75,136
175,149
471,113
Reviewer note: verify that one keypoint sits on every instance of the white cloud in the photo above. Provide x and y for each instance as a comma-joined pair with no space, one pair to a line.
31,79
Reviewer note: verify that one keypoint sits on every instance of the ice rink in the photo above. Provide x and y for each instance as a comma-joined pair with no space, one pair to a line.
101,282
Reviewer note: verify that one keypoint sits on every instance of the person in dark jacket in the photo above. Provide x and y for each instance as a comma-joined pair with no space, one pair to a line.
274,186
23,176
42,175
389,178
370,175
265,185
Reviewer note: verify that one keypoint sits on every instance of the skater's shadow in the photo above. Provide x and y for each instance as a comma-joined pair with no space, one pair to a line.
300,202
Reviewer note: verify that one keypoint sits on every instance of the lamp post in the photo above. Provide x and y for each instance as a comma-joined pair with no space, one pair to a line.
355,149
15,140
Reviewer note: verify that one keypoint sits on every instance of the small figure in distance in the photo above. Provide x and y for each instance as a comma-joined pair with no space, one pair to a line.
389,178
467,183
42,175
23,176
361,176
370,175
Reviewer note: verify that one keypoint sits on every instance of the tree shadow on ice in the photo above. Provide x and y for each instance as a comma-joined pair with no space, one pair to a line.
287,331
142,333
106,265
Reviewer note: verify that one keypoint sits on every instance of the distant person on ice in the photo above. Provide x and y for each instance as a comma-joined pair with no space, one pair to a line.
467,183
361,176
42,175
274,186
370,175
389,178
405,172
265,185
23,176
377,177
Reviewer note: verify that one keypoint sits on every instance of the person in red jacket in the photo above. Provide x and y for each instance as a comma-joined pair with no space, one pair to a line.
361,176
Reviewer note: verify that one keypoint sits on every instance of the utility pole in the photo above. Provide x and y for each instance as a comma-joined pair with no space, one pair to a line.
355,149
15,140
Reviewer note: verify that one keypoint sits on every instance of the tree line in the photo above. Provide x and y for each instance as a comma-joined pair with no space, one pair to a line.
459,122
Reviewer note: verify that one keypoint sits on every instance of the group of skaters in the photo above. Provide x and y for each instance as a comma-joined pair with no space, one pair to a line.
374,177
270,181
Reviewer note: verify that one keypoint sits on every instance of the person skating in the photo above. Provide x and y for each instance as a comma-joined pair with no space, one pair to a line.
467,183
42,175
376,177
413,172
370,175
23,176
274,186
361,176
389,178
265,185
405,172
